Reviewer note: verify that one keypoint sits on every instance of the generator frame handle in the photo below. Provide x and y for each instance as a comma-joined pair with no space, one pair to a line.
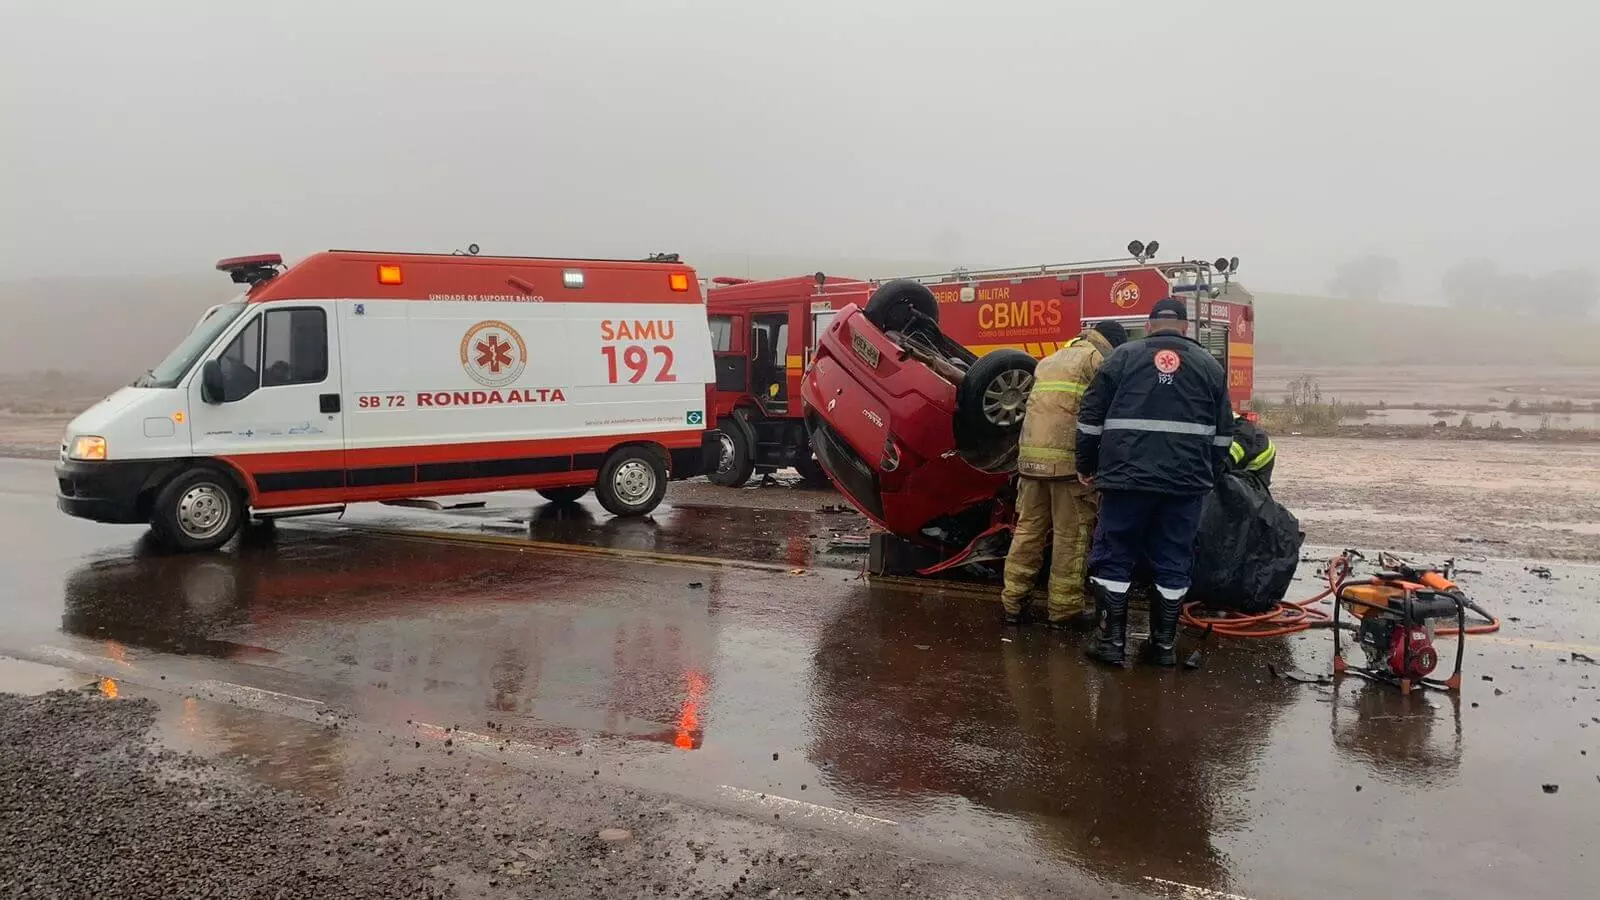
1408,598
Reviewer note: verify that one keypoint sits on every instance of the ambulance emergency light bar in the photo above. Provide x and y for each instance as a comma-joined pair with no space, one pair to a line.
252,270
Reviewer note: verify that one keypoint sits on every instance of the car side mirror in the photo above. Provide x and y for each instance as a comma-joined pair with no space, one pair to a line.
211,387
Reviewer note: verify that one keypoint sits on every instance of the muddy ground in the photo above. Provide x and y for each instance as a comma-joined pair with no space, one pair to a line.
1454,497
1440,386
96,805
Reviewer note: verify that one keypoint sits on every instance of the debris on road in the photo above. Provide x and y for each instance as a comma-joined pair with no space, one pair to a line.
1540,571
1551,788
853,543
1298,676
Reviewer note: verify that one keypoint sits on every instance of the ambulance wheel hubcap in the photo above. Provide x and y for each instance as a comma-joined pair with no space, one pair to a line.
1007,397
203,511
635,481
725,460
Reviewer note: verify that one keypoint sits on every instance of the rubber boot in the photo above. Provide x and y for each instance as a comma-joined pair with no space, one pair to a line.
1162,647
1110,645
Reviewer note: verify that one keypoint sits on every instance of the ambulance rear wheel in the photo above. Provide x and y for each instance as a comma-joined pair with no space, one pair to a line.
563,494
735,455
200,509
632,482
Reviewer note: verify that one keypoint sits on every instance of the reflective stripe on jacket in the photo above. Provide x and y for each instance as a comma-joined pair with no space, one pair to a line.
1252,449
1156,418
1049,429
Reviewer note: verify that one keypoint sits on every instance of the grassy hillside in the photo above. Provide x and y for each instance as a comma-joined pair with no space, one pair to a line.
111,327
115,328
1317,331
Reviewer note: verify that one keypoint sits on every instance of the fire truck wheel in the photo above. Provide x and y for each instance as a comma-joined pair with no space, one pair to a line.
811,472
200,509
735,455
891,305
632,482
563,494
994,394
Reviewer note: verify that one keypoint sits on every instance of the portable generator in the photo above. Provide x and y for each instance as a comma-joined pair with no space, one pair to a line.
1395,612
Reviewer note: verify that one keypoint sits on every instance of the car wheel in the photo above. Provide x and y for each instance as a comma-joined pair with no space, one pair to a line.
632,482
199,509
994,394
891,306
735,455
564,494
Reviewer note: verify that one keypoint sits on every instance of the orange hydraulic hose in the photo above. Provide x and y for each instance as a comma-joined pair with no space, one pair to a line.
1290,616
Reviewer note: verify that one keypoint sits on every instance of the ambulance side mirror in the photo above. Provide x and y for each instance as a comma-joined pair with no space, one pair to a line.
211,388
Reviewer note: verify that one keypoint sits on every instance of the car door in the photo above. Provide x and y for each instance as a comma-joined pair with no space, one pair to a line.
279,416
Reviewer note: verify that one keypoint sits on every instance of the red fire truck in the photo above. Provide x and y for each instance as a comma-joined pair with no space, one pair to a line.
764,334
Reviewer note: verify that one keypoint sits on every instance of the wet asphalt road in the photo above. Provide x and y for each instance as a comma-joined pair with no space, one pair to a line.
788,676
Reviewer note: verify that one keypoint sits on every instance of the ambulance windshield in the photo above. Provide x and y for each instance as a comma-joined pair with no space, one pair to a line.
178,363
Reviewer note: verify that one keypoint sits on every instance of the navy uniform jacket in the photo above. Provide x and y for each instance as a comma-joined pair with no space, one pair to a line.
1156,418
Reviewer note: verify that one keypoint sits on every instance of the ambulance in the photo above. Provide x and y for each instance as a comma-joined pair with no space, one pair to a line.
358,376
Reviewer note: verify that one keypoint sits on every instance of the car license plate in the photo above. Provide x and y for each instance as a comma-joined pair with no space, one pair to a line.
865,350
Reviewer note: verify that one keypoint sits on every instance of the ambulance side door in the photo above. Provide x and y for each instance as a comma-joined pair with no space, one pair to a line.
270,399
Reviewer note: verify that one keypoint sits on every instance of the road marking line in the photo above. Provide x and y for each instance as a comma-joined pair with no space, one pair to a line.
1193,891
105,666
253,693
856,820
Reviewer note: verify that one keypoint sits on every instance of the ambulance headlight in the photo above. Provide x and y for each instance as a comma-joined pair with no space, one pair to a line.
88,447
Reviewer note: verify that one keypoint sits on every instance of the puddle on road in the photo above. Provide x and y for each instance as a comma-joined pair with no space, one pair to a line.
900,704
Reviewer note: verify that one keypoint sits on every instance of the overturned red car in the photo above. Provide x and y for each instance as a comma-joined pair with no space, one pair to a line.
920,433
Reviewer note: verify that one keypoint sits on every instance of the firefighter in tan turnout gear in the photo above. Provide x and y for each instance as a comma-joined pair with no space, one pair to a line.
1050,499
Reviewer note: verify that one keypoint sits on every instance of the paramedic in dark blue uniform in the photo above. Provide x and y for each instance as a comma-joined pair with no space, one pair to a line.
1153,432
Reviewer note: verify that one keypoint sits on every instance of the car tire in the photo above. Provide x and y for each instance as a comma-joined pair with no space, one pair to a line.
199,509
735,454
890,306
994,394
632,482
564,494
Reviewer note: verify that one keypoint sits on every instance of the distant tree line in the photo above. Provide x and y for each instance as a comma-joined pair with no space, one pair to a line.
1478,284
1370,277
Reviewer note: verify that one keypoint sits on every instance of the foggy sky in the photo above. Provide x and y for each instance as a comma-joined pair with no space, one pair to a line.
157,136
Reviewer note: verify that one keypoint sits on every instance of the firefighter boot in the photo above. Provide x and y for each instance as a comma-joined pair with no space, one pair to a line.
1162,647
1110,644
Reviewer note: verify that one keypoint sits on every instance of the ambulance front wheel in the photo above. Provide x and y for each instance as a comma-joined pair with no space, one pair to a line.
200,509
632,482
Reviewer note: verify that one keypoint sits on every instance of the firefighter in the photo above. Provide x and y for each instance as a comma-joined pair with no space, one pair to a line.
1252,450
1049,498
1153,433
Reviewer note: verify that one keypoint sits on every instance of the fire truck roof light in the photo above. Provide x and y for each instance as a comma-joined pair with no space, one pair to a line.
678,281
572,278
390,275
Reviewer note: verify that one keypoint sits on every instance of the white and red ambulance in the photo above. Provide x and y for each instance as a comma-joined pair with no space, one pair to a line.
359,376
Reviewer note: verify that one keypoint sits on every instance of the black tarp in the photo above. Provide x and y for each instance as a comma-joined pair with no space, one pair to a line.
1247,549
